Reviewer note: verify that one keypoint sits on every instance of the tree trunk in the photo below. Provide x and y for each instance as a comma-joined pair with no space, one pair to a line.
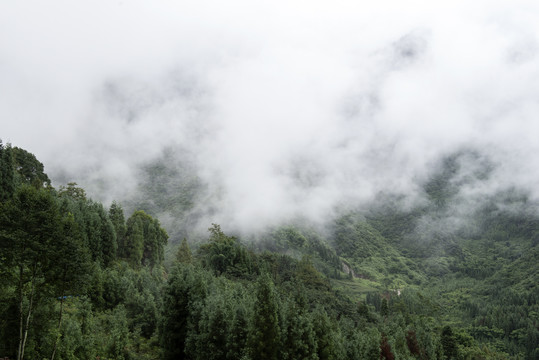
59,323
27,325
21,313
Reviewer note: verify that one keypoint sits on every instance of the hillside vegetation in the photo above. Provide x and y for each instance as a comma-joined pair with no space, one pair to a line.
453,277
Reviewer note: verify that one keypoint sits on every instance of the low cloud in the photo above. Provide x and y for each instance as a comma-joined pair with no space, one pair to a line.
283,109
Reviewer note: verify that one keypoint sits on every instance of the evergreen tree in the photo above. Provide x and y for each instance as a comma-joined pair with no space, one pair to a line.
7,182
94,229
264,339
116,216
30,226
384,308
210,341
72,265
109,245
134,241
185,291
298,335
238,332
448,343
144,241
225,255
328,336
184,253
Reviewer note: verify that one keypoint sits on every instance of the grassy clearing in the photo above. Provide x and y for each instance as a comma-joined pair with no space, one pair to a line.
355,289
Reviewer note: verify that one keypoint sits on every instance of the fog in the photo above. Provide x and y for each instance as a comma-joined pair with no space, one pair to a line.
282,109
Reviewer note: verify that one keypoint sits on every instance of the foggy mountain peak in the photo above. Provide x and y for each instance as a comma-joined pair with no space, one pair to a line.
273,111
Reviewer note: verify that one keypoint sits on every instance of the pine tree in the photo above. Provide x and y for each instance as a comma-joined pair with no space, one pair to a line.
210,341
238,332
7,182
144,240
448,343
72,265
30,227
134,241
184,253
328,336
116,216
384,308
184,294
109,245
264,339
298,336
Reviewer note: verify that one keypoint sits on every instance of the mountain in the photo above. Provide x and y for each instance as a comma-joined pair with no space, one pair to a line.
449,272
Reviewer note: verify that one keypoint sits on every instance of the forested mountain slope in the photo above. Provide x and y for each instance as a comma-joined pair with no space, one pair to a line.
452,277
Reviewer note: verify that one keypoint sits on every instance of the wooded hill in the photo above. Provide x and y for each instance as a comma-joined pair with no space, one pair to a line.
81,281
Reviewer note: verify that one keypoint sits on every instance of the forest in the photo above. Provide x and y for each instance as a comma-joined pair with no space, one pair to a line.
81,280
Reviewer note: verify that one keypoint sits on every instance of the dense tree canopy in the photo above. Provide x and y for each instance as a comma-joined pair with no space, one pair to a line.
78,281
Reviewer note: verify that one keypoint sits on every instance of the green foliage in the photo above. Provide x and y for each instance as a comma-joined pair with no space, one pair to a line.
117,218
73,191
300,240
298,335
134,240
384,308
60,294
449,344
371,255
186,290
144,240
29,170
184,253
7,172
30,225
224,255
264,334
80,282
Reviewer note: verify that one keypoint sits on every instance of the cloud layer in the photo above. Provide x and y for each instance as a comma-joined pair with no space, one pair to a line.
285,108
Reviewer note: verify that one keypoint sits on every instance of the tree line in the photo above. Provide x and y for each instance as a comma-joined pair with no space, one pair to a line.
80,281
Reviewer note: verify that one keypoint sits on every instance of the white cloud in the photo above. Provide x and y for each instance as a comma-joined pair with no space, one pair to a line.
289,108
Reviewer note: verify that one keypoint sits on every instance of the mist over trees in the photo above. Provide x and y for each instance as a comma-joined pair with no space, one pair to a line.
80,280
269,180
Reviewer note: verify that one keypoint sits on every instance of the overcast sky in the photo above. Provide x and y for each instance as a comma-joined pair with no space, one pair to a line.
286,107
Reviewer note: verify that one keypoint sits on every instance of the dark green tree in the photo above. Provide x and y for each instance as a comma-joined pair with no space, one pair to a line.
238,331
225,255
449,344
209,341
144,241
28,169
186,289
116,216
264,335
384,307
109,245
7,182
134,241
328,336
70,273
298,336
99,232
30,226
